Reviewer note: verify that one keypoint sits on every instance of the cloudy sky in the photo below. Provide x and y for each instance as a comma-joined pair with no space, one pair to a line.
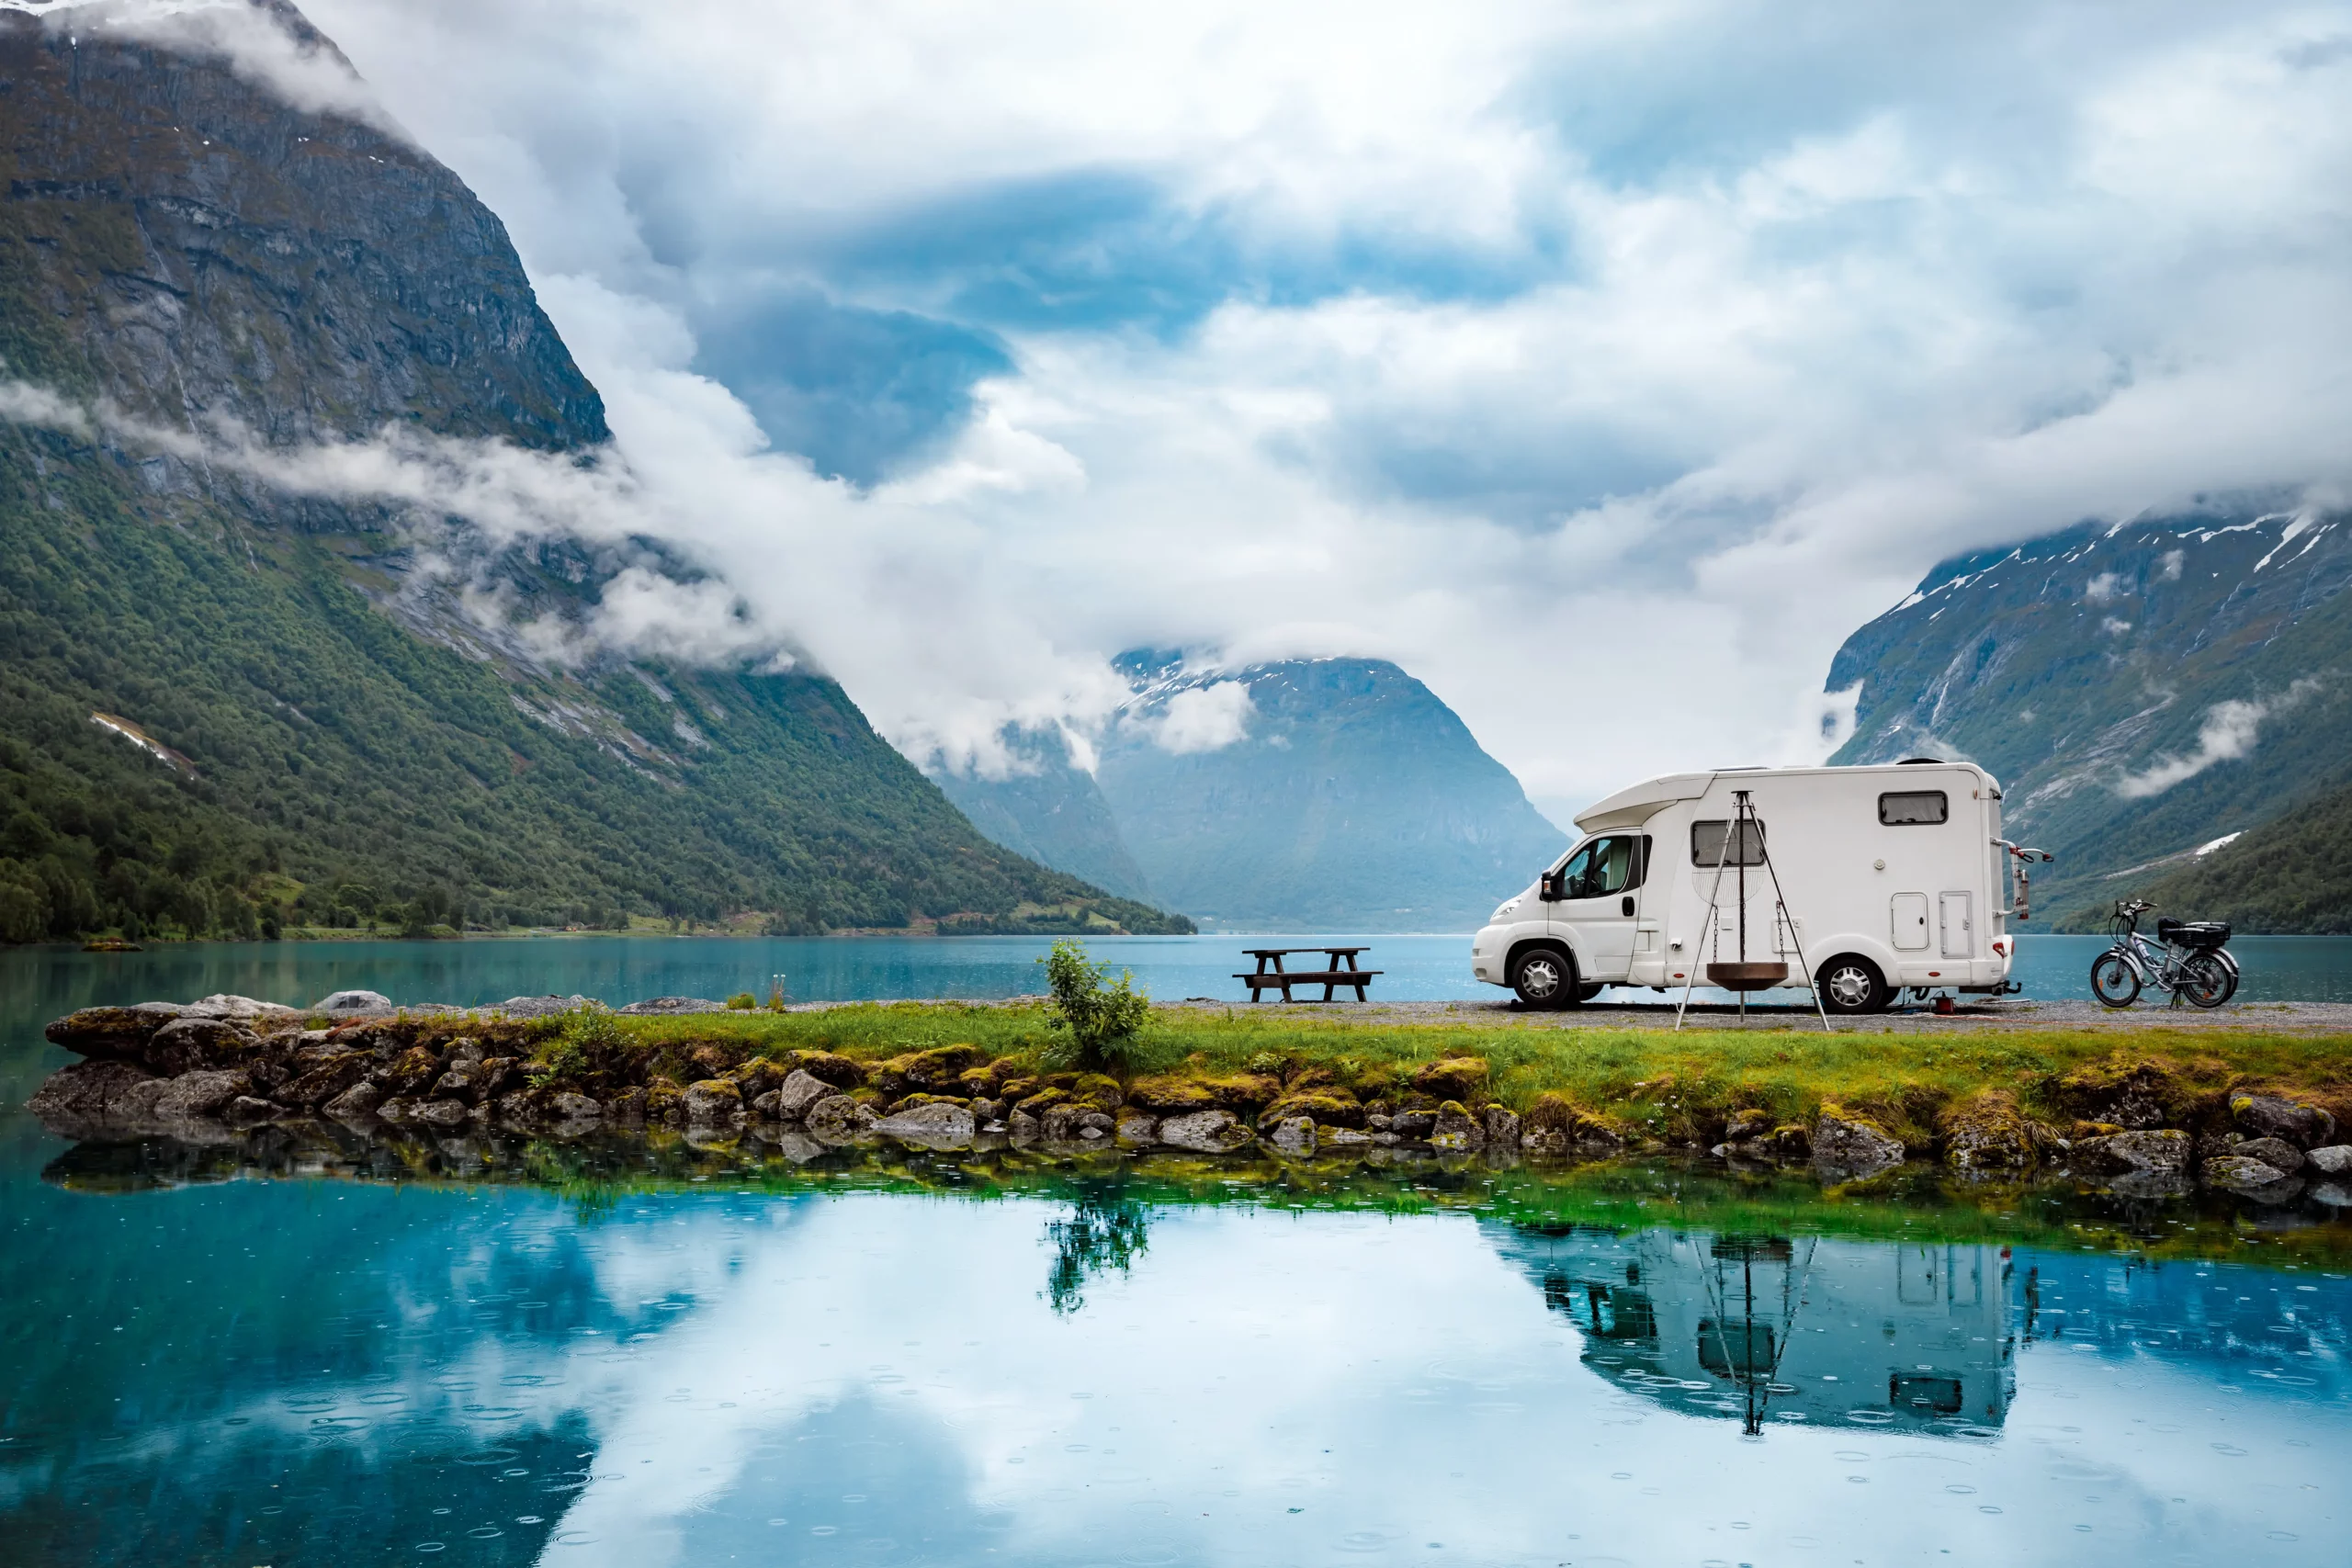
1603,364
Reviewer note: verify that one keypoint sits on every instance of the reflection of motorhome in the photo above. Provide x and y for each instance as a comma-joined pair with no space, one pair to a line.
1772,1329
1893,875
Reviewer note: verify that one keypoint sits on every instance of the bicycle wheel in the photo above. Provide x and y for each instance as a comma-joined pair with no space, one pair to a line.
2230,968
2113,980
2203,980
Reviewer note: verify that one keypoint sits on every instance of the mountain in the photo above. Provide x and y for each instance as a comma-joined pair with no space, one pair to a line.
1048,809
2142,690
1328,794
226,708
2291,874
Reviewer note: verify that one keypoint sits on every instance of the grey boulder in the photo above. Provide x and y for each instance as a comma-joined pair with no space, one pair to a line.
356,1103
1293,1136
2241,1173
1853,1148
2267,1116
2276,1153
1202,1132
2157,1151
92,1091
571,1106
354,1001
441,1112
2333,1159
837,1119
712,1102
189,1043
799,1092
201,1093
935,1125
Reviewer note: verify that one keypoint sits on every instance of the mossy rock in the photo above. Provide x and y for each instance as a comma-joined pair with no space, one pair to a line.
1326,1104
1988,1130
1096,1091
938,1068
920,1098
1558,1122
1461,1078
2134,1092
836,1070
712,1060
1043,1101
665,1101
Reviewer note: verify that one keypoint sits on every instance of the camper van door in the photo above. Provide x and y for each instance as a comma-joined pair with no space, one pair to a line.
1599,897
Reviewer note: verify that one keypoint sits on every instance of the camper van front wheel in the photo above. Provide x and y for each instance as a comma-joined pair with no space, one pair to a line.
1546,977
1849,984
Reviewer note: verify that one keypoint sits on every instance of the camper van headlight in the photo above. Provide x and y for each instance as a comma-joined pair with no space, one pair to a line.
1503,910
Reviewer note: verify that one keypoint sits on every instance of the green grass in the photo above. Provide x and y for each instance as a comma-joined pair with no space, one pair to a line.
1650,1081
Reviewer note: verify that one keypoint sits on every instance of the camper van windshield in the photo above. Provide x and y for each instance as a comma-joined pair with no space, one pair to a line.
1914,808
1709,839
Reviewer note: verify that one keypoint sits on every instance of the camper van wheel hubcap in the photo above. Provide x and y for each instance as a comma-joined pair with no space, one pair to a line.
1541,977
1848,986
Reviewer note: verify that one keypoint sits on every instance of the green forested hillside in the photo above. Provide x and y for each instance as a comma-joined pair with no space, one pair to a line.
2290,875
336,743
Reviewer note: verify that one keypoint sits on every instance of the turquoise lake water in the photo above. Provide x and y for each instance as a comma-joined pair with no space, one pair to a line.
43,982
480,1355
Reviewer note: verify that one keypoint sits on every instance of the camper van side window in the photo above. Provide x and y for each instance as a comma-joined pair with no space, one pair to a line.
1710,839
1914,808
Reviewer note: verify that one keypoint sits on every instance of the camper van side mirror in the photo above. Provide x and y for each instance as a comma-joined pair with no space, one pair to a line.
1549,889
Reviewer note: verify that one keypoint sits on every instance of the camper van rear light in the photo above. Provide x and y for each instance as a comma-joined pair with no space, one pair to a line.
2000,947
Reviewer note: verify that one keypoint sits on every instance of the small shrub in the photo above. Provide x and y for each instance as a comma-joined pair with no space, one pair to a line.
1095,1020
741,1001
585,1043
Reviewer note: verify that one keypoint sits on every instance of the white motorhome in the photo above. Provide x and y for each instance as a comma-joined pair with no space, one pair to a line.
1893,876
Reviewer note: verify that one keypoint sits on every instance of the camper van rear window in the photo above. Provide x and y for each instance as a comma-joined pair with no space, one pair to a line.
1710,839
1914,808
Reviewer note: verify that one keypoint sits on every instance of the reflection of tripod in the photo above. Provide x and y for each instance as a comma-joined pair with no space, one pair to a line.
1744,1350
1743,845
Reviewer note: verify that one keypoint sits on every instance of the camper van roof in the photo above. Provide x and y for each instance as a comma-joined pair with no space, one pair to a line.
1645,800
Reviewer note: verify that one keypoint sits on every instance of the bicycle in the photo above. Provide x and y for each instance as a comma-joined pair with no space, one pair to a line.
2191,961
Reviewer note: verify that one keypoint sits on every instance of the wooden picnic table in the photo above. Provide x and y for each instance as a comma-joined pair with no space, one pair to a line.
1340,968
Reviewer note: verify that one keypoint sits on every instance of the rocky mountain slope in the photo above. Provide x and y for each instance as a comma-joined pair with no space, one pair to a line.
1328,794
225,708
2140,691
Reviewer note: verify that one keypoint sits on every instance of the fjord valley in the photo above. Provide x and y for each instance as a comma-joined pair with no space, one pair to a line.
234,701
1317,794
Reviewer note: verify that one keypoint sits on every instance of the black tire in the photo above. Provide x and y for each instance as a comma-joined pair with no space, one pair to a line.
2206,980
2114,982
1851,983
2230,968
1544,978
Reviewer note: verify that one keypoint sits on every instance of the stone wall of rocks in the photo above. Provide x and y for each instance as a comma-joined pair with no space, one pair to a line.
209,1070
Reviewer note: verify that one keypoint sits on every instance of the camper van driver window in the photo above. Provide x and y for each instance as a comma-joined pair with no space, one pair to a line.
1603,867
1709,839
1914,808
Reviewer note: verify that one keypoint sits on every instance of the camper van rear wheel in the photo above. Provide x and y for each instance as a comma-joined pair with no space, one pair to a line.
1544,978
1848,983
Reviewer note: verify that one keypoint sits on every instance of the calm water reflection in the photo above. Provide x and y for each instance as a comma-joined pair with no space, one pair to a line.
316,1370
1100,1369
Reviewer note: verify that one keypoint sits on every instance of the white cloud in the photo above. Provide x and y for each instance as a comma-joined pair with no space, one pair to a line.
1204,718
1632,350
2100,589
2228,733
256,42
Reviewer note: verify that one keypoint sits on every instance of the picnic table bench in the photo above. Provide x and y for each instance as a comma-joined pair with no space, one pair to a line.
1339,969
